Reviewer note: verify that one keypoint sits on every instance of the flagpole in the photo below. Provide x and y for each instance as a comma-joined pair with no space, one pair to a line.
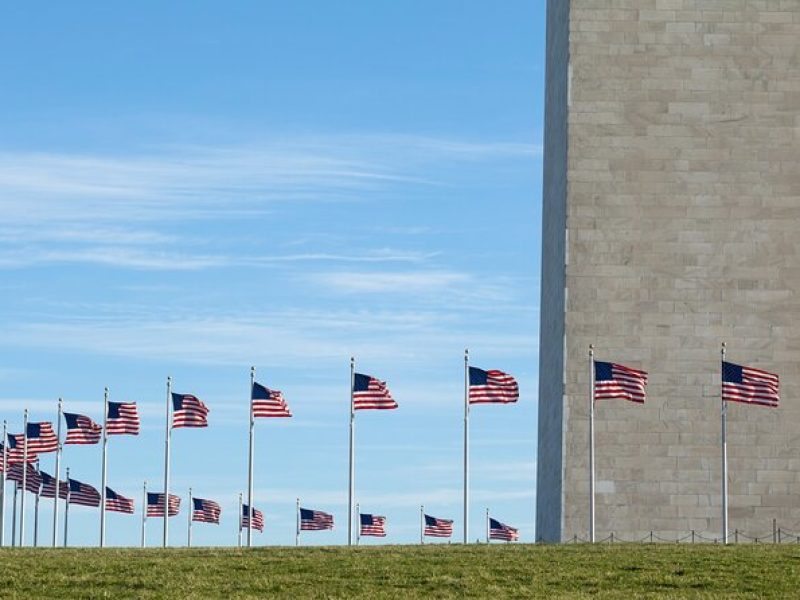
168,435
14,517
724,417
104,477
466,446
358,531
421,524
250,462
144,513
351,487
297,530
591,445
66,512
488,533
36,521
240,520
190,511
58,468
24,478
3,486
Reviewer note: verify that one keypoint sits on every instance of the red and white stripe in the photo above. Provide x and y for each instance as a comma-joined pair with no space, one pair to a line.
441,528
16,453
258,519
127,423
87,431
377,396
625,384
119,503
45,441
83,494
376,529
208,511
499,388
192,413
757,387
274,406
157,509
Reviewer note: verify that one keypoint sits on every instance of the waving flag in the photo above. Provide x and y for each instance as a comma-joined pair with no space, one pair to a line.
617,381
315,520
268,403
258,518
49,486
434,527
155,504
749,385
491,386
33,480
16,449
501,531
189,411
81,429
3,451
118,503
41,438
122,419
83,493
373,525
370,393
206,511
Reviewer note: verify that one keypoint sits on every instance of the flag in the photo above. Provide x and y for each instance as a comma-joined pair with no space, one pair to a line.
16,449
315,520
438,527
268,403
49,486
118,503
617,381
155,504
122,418
3,451
189,411
33,480
41,438
258,519
369,392
373,525
749,385
491,386
83,493
501,531
81,429
206,511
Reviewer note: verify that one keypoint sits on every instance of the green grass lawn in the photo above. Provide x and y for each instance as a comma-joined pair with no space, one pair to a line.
434,571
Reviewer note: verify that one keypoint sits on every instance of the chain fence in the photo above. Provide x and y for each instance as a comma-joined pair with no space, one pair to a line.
778,535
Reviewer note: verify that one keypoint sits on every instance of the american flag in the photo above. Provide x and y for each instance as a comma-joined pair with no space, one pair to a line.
749,385
83,493
81,429
16,449
3,452
206,511
41,438
491,386
189,411
617,381
118,503
501,531
258,518
268,403
438,527
49,486
122,418
369,392
33,480
155,504
315,520
373,525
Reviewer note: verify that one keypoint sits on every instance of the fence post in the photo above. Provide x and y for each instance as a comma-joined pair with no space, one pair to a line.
651,536
693,536
736,536
779,535
774,531
575,539
612,537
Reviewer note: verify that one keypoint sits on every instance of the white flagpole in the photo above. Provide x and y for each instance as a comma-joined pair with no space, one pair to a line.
351,488
240,520
724,416
144,514
24,478
488,528
167,437
58,468
466,446
250,462
358,531
3,486
104,476
66,513
190,511
421,524
14,517
297,530
591,444
36,521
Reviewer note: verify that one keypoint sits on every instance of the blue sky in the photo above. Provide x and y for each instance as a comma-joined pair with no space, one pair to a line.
192,188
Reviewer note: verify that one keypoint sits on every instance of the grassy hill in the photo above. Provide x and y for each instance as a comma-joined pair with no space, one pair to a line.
503,571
